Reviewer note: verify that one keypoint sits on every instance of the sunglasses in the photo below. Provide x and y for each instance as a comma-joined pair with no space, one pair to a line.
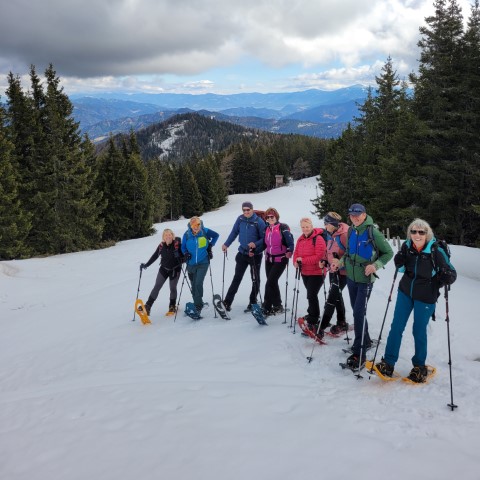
270,216
246,209
420,232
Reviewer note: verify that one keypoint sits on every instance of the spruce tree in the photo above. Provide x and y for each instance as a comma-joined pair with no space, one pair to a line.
68,197
438,103
192,203
14,221
158,188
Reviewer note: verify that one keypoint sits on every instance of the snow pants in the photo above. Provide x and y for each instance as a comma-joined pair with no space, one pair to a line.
359,295
421,316
242,263
196,274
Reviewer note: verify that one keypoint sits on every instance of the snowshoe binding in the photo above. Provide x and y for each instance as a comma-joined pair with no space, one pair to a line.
258,314
191,311
220,307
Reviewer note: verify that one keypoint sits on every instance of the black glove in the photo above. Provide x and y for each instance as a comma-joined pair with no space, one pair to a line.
187,256
399,260
447,276
209,252
143,266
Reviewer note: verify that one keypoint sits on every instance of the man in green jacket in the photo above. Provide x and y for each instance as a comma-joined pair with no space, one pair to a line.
367,250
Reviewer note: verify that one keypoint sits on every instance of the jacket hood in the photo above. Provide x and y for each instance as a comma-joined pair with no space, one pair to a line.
428,246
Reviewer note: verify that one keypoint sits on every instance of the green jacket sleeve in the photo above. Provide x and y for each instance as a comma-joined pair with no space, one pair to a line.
385,252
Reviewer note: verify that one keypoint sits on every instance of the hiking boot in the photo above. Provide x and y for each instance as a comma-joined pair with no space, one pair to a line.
312,322
385,368
339,328
249,308
353,361
277,310
418,374
228,305
172,309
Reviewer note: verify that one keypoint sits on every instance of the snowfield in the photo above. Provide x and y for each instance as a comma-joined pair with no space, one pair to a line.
85,393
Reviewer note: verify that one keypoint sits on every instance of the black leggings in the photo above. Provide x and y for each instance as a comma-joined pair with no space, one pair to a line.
334,300
242,263
274,271
313,284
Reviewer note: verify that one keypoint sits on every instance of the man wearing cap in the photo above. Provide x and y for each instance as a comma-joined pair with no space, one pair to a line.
367,250
250,230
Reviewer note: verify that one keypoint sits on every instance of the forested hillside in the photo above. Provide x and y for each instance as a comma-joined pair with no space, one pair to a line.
59,194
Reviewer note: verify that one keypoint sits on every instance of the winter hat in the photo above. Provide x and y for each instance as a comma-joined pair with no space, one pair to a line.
247,205
356,209
332,218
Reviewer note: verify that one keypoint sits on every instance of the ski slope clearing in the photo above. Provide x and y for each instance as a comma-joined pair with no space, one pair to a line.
85,393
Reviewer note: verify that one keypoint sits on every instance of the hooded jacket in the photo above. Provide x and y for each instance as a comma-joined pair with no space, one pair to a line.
420,280
336,245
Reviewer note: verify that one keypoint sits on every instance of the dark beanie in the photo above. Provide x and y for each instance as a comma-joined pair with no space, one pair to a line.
329,219
247,205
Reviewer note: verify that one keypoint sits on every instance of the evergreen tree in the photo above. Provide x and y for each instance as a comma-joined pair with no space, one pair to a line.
437,102
68,198
123,181
14,221
469,216
192,203
156,182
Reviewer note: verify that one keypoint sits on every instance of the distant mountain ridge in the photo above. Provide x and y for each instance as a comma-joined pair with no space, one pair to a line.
326,112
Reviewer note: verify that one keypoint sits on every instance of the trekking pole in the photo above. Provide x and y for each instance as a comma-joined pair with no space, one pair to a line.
180,295
447,319
298,291
293,299
367,296
211,281
223,274
383,323
286,294
138,292
255,279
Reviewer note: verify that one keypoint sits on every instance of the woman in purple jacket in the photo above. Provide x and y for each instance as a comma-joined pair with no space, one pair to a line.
279,245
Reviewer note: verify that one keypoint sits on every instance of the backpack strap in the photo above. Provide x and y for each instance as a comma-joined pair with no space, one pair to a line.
339,243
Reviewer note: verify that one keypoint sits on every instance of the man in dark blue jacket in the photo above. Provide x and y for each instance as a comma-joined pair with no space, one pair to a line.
250,229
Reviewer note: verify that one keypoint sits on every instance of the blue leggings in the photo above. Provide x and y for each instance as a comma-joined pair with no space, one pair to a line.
421,316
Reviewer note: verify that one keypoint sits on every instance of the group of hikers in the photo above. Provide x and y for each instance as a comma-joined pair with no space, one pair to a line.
350,255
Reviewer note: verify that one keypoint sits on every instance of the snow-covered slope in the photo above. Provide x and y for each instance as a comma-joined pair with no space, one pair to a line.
85,393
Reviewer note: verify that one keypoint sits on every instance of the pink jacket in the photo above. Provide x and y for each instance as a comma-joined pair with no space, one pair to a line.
333,246
309,253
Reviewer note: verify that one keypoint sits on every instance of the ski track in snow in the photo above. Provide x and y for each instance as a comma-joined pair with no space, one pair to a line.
87,393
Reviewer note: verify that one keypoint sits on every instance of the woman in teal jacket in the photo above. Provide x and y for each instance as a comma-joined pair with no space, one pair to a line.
197,243
426,268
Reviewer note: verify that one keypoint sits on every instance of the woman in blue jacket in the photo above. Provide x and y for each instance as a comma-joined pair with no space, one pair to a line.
197,243
426,269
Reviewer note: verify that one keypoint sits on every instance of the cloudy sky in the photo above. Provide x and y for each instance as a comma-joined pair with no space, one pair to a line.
218,46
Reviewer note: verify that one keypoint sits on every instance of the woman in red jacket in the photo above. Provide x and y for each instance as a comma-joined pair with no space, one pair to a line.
309,251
